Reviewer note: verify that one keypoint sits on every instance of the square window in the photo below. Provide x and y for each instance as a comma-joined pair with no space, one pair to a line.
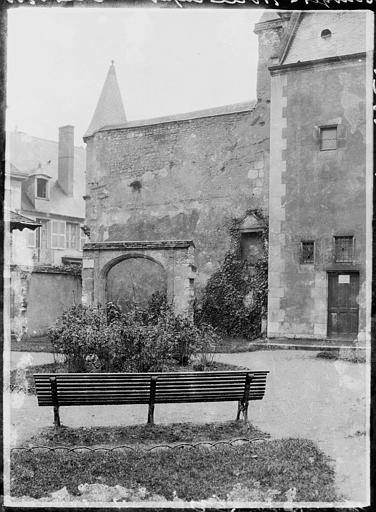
308,252
41,188
328,138
344,249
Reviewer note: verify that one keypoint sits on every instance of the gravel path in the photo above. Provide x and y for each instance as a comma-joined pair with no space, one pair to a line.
306,397
316,399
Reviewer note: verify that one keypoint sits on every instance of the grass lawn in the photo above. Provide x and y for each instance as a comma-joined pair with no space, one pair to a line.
23,380
243,473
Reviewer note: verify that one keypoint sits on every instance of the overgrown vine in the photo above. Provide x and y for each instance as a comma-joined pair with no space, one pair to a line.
235,297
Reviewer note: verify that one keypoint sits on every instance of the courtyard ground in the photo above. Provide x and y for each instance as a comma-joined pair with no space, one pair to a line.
306,397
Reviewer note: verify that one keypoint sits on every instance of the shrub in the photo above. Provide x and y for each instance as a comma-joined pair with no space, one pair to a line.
103,339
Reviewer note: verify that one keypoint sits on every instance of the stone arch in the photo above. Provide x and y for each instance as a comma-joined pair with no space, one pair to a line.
176,257
107,267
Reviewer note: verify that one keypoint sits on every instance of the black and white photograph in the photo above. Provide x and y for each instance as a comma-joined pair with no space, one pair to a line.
187,255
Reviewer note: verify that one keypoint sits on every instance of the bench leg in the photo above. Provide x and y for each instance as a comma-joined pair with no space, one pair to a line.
245,413
56,416
55,401
153,387
151,415
239,410
242,409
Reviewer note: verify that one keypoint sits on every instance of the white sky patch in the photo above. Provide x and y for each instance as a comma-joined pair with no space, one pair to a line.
167,62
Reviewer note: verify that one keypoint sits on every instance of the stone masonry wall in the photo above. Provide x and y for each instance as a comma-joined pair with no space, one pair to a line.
315,195
179,180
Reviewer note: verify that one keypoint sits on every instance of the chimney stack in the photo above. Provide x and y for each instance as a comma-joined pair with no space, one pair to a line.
66,159
270,31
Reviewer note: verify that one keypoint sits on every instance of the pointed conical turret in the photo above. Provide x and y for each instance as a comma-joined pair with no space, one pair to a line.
110,109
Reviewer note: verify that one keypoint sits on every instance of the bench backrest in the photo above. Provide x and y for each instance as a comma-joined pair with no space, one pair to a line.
134,388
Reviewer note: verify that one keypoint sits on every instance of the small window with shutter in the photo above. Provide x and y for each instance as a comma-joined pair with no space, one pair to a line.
308,251
328,138
344,249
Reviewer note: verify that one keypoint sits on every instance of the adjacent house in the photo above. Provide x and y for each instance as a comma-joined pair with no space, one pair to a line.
45,186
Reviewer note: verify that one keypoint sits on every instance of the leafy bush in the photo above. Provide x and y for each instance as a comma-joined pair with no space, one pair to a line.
235,296
103,339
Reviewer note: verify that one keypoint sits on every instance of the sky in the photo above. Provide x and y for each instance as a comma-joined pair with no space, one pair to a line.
167,62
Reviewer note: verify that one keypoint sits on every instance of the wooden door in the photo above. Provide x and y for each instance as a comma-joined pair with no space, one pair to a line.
343,308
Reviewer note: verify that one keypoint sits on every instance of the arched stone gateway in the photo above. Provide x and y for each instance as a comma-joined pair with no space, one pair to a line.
170,262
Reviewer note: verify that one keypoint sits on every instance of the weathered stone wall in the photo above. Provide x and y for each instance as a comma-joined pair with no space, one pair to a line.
50,293
315,195
178,180
185,178
38,298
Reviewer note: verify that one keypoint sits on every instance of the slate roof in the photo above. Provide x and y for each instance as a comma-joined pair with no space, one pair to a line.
29,155
245,106
110,109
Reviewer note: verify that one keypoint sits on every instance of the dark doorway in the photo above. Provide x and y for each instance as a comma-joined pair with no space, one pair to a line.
343,307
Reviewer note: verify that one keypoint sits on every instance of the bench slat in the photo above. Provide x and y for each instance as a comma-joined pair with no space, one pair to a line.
148,374
80,389
143,402
161,385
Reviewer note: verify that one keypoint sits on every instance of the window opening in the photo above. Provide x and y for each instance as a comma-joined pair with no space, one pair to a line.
326,33
41,237
328,138
308,252
73,235
344,249
58,234
251,246
41,188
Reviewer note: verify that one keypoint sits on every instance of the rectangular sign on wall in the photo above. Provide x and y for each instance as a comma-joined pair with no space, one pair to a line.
344,279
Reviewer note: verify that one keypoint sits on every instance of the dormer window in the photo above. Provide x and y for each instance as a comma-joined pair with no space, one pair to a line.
42,192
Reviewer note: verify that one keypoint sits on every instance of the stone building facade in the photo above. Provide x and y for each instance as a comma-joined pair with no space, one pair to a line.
320,194
186,177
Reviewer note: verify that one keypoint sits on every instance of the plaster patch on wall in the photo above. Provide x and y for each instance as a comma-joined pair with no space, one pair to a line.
148,176
163,173
252,174
352,104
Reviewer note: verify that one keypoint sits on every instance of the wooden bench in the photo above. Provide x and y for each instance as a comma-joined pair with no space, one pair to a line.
68,389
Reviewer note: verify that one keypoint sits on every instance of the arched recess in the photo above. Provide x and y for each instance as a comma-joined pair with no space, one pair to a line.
132,279
176,257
